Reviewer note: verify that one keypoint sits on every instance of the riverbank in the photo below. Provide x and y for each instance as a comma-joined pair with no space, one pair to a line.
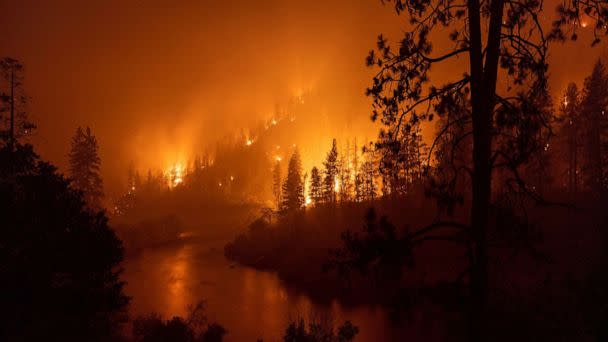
299,248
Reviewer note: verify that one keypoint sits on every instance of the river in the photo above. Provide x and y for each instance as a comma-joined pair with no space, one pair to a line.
249,303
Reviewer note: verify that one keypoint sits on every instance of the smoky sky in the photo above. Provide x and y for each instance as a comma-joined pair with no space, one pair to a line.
153,78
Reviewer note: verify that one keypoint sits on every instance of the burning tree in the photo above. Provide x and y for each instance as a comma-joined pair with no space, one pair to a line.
315,192
276,184
293,188
330,174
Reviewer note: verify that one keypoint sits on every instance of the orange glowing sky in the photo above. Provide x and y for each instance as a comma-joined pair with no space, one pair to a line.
156,80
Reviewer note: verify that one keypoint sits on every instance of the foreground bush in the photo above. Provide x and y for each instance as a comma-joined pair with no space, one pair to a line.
194,328
319,331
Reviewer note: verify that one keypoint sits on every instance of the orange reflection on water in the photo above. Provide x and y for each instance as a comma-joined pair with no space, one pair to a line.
251,304
177,298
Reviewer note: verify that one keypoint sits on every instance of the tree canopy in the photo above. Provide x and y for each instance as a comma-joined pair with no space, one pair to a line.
60,273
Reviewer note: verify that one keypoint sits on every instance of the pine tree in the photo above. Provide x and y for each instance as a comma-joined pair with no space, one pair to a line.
392,164
359,190
276,185
303,188
593,105
411,153
84,167
401,163
368,185
368,175
293,187
316,191
356,181
344,174
331,174
417,151
14,123
536,170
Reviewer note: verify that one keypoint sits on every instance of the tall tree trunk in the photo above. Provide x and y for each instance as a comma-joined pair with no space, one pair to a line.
483,89
477,287
479,221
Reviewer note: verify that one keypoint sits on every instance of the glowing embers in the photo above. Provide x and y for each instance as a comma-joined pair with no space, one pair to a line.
175,175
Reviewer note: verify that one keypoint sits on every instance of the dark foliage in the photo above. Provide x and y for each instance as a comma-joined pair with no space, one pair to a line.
504,93
194,328
319,331
85,166
297,246
60,276
14,122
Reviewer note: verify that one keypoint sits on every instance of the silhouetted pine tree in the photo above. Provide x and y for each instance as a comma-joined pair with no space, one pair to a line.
356,178
359,191
369,172
293,188
276,184
344,174
570,136
84,167
316,190
331,173
594,105
13,117
402,159
539,135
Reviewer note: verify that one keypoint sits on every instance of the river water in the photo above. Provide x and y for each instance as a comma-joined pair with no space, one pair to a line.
251,304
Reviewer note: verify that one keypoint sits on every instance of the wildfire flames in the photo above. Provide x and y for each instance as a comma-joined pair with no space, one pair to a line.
175,175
